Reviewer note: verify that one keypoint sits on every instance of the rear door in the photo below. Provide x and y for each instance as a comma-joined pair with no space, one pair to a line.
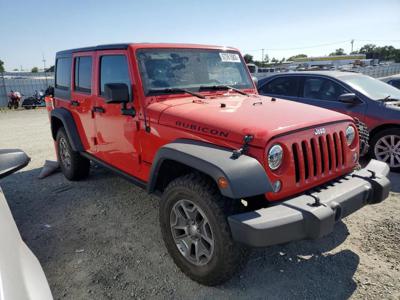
82,98
324,92
286,87
116,134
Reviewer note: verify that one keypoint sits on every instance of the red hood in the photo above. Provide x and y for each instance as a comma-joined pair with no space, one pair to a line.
231,117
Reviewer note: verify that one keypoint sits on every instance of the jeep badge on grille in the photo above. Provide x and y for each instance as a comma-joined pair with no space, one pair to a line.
319,131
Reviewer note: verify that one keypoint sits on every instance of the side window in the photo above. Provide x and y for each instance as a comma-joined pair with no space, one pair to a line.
63,73
396,83
83,74
322,89
285,86
114,69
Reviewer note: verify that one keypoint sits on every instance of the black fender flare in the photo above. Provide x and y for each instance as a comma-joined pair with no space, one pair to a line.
245,175
69,125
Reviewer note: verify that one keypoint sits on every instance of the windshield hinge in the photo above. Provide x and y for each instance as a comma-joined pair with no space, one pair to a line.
238,152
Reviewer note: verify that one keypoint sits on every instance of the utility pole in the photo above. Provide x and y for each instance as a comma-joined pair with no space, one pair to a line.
44,63
352,43
262,56
44,69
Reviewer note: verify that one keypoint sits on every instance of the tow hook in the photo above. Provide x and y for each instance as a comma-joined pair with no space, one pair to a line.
317,201
373,174
238,152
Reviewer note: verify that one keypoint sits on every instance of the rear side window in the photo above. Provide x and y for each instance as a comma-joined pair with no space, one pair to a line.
322,89
63,73
83,74
114,69
285,86
396,83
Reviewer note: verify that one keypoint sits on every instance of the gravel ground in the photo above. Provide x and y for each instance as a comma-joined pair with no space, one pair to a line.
100,239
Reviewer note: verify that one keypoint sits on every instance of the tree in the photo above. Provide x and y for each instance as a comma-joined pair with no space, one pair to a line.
339,51
274,60
1,66
266,58
372,51
35,70
15,69
248,58
292,58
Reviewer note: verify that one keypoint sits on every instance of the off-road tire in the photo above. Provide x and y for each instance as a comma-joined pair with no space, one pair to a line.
228,257
376,137
79,166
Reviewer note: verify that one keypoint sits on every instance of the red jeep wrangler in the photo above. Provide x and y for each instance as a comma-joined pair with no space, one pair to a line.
233,169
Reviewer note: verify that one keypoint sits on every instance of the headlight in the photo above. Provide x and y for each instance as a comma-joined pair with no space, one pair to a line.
275,155
350,134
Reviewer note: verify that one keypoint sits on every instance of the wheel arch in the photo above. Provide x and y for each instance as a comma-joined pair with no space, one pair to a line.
383,127
60,117
245,175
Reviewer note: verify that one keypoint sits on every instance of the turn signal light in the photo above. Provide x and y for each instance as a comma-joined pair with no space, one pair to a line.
223,182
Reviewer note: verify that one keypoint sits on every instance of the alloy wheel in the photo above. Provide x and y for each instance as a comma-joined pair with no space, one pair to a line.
64,153
387,149
192,232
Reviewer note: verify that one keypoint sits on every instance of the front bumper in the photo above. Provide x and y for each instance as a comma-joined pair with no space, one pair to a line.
312,215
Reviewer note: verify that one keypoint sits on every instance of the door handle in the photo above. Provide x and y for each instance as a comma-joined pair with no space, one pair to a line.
74,103
98,109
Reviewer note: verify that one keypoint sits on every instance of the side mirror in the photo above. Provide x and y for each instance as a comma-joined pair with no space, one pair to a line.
349,98
11,160
255,80
116,92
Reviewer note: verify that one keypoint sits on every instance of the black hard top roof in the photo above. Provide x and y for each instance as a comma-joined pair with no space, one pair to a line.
94,48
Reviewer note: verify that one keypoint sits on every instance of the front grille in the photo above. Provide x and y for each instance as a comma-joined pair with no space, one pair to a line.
319,155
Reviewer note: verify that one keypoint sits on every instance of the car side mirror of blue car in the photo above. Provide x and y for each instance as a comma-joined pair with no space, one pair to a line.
350,98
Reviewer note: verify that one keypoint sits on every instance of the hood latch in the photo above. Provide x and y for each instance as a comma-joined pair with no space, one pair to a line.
238,152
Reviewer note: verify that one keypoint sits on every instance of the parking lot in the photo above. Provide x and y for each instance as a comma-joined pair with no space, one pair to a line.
100,238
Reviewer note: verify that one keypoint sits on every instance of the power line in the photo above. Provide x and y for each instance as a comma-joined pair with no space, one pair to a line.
320,45
299,48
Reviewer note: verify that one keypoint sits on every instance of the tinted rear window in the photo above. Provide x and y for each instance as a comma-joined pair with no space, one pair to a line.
83,74
285,86
63,73
396,83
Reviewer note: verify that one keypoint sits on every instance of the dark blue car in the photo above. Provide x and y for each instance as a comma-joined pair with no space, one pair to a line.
372,101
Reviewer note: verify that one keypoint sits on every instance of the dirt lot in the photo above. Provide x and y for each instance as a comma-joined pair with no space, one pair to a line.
100,239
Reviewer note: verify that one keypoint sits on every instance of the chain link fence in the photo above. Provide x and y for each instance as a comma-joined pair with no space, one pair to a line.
373,71
25,83
381,71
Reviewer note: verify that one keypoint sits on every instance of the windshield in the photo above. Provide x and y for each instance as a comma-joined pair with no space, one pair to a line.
370,87
191,69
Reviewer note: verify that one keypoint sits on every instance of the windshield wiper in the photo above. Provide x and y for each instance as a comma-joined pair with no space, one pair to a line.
175,90
222,87
388,99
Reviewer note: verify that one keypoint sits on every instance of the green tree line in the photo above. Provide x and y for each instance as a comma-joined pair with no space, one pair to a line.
384,53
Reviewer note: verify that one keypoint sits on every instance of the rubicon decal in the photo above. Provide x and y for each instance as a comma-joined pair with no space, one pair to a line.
202,129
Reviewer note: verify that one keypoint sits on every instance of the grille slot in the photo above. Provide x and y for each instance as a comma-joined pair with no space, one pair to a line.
318,156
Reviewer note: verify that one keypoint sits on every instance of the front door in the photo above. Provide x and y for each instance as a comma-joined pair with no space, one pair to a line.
324,92
116,133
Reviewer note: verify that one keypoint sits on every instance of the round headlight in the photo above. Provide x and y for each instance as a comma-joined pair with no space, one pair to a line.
350,134
275,155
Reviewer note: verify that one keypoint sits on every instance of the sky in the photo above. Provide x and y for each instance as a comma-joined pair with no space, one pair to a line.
32,29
